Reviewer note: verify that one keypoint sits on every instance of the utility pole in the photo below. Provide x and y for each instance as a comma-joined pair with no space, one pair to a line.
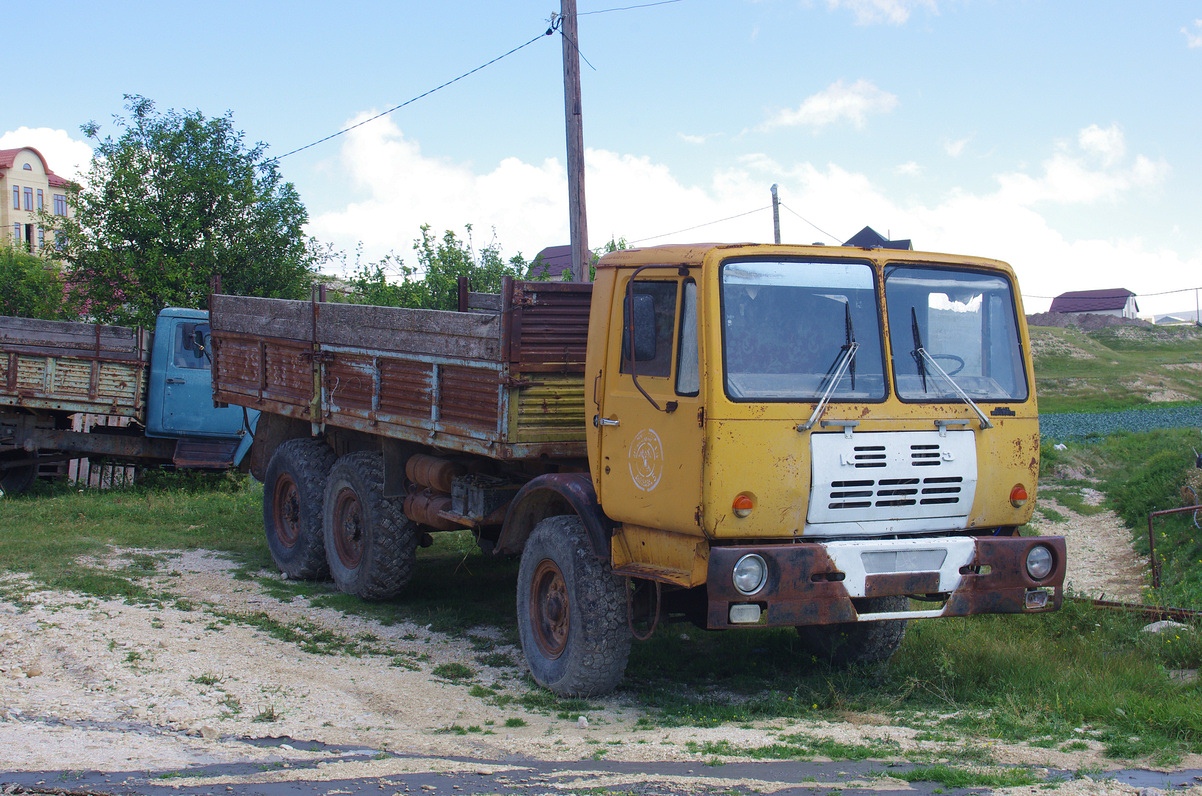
574,122
775,215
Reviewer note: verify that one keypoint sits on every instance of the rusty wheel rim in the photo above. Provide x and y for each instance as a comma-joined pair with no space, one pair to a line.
286,511
348,528
550,609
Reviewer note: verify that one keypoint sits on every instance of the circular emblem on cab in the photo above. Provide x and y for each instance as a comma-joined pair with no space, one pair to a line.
646,458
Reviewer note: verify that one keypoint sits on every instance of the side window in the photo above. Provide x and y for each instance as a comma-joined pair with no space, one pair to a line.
649,351
186,352
688,375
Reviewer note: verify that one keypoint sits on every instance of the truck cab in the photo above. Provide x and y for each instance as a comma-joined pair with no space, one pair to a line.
179,401
817,434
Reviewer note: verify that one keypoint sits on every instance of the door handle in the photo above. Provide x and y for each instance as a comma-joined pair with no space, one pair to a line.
175,381
599,421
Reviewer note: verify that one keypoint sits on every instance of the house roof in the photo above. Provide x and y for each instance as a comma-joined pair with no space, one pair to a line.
869,238
8,158
551,262
1092,300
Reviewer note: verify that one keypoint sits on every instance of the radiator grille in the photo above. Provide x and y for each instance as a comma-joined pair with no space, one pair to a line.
891,477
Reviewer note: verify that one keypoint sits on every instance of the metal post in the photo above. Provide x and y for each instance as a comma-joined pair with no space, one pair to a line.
574,122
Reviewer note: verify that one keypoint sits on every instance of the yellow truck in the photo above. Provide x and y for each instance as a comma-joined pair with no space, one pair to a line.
835,439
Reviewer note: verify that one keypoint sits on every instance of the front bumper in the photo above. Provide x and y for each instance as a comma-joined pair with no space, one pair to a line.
815,583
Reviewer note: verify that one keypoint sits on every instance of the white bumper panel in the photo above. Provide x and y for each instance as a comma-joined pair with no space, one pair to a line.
858,560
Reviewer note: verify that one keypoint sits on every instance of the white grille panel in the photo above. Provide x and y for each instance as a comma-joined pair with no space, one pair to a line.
892,479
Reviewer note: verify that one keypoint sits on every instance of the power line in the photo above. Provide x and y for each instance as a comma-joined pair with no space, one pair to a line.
811,223
415,99
706,224
1137,295
626,8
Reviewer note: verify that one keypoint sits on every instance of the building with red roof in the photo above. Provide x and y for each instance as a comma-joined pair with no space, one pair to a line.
1114,301
28,186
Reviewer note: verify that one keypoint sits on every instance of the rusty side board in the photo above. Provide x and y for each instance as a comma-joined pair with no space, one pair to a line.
440,378
73,367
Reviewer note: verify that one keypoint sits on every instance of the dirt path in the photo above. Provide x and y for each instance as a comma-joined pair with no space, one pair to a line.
88,684
1102,562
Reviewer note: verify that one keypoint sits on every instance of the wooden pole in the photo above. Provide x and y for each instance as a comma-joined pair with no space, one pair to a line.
775,215
574,122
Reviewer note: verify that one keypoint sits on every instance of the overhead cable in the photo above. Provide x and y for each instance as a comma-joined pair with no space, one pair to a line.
415,99
706,224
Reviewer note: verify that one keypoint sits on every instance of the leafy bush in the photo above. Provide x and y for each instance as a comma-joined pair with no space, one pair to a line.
32,288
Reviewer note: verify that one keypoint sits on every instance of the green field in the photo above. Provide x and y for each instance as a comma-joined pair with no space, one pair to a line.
1119,367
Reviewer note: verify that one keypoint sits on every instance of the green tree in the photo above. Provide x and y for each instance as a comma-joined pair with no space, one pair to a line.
434,282
32,288
174,200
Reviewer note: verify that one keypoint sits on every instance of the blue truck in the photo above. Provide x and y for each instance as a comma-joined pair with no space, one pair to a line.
73,390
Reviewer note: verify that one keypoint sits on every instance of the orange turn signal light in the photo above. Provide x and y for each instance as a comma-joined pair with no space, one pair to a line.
1018,496
742,505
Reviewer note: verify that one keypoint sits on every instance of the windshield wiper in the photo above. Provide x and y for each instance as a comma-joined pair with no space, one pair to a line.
922,354
849,332
916,333
847,356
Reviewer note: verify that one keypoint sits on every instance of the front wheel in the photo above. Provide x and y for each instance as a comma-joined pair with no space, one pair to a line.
571,612
371,546
858,642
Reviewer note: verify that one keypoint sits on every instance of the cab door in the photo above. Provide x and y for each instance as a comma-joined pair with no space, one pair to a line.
187,404
650,414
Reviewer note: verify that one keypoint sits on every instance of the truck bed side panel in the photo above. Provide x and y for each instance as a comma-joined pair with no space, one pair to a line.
73,367
507,384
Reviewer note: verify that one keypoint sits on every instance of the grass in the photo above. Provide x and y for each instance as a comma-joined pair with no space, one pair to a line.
1079,674
1069,680
1114,368
956,777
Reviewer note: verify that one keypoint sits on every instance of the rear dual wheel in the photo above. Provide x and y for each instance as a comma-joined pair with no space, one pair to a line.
370,545
15,480
293,491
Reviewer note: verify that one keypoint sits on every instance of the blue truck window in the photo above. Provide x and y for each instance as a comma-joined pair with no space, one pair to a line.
188,349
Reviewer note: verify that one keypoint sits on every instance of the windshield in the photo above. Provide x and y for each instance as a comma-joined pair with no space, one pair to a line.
792,329
965,322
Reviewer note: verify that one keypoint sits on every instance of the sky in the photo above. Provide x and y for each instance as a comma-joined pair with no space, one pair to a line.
1061,136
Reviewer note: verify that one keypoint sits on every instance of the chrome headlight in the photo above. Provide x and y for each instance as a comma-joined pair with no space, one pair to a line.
750,573
1039,562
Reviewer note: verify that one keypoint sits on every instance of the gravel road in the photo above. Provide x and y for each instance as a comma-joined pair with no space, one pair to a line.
183,696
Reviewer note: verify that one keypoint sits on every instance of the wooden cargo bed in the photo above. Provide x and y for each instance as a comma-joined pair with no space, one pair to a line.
505,381
73,367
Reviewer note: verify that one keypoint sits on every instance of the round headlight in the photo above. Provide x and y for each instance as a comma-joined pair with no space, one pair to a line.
1039,562
750,573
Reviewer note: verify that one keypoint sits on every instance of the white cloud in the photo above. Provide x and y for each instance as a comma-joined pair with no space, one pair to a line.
66,156
836,103
398,188
1106,143
1069,178
956,148
1193,38
891,12
908,169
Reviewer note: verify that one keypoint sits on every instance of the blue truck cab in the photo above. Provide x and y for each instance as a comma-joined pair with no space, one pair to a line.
179,401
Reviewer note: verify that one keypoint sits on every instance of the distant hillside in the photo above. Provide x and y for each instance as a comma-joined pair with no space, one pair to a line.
1122,366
